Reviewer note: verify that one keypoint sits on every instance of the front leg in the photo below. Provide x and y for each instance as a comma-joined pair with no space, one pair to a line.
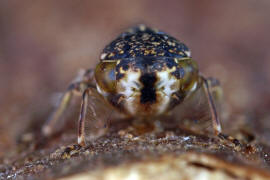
81,82
81,122
212,107
96,111
95,115
211,86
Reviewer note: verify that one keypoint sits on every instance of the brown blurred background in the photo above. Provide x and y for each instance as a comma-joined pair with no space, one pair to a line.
44,43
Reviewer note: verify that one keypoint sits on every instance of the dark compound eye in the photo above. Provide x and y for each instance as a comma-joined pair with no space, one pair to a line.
181,72
105,76
111,75
188,73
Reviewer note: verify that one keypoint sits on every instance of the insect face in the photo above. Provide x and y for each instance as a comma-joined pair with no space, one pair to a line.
146,86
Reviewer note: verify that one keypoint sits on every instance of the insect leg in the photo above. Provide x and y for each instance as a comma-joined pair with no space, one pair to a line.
47,129
92,98
81,122
215,89
81,127
81,82
95,115
215,119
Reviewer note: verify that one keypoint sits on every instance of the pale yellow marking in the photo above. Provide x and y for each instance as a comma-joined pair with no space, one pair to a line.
142,27
103,56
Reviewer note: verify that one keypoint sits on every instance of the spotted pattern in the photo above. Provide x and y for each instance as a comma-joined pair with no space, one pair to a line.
148,64
142,41
147,71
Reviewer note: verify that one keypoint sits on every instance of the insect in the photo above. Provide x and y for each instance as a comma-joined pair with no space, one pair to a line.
142,73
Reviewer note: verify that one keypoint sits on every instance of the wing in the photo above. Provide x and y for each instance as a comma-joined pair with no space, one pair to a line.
98,116
194,113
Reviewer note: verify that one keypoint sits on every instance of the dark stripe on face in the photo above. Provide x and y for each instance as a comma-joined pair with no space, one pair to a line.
148,92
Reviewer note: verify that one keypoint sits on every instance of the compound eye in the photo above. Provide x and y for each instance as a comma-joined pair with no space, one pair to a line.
190,75
105,76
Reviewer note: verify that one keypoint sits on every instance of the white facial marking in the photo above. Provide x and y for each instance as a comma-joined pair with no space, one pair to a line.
164,103
130,83
166,82
129,87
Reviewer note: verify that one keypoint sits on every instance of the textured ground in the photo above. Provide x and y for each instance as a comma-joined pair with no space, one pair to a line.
169,153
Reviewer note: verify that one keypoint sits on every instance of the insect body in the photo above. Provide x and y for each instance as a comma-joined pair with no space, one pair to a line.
144,72
149,72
